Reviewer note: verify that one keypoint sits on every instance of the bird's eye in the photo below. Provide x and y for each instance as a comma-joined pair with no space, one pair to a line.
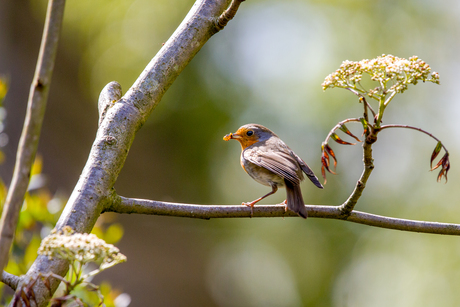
249,133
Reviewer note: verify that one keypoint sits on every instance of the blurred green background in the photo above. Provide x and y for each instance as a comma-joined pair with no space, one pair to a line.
266,67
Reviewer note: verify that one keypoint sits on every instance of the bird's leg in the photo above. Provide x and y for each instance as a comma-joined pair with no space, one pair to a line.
252,203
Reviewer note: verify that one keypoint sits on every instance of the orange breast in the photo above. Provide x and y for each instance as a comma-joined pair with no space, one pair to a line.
246,142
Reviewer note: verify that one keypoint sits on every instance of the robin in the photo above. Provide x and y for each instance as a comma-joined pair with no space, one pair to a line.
269,161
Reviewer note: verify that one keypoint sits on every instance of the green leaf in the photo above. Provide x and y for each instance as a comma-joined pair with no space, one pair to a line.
31,251
3,88
114,233
365,124
435,153
37,166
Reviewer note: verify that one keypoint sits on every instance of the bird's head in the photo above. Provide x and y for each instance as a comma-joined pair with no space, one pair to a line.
250,134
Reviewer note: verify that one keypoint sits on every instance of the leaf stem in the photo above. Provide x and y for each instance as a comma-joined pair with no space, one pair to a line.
414,128
339,125
362,98
387,101
380,114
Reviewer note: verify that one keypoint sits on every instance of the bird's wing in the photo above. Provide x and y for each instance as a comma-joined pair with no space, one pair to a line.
280,163
307,170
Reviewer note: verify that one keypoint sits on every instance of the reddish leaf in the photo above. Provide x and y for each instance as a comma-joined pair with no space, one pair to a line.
325,162
59,301
435,153
445,167
25,297
345,129
323,172
441,173
46,281
32,295
437,164
331,152
336,138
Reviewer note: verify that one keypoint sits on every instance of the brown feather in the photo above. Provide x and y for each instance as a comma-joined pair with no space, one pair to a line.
279,163
307,170
294,199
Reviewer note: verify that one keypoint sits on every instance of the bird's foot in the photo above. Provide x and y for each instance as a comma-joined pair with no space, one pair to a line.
250,205
285,205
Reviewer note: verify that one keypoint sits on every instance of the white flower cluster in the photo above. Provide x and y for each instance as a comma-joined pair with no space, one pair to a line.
382,69
82,247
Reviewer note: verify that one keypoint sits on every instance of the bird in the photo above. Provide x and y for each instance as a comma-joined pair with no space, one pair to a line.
269,161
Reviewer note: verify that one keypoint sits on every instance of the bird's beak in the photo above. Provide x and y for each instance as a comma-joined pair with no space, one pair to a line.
232,136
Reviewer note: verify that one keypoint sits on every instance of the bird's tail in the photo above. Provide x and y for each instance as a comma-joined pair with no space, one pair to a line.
294,199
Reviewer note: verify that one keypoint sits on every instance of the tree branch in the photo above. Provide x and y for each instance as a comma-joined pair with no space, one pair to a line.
119,122
228,15
10,280
414,128
347,207
28,142
150,207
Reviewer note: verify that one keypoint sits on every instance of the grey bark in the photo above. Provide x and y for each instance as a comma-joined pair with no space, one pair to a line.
118,127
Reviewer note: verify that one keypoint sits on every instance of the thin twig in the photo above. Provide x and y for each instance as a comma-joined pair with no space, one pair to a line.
362,98
414,128
228,15
28,143
340,124
151,207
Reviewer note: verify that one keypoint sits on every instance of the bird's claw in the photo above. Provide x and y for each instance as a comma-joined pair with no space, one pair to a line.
250,205
285,205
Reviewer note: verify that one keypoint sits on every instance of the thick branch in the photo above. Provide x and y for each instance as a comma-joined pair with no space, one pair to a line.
143,206
28,142
118,126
